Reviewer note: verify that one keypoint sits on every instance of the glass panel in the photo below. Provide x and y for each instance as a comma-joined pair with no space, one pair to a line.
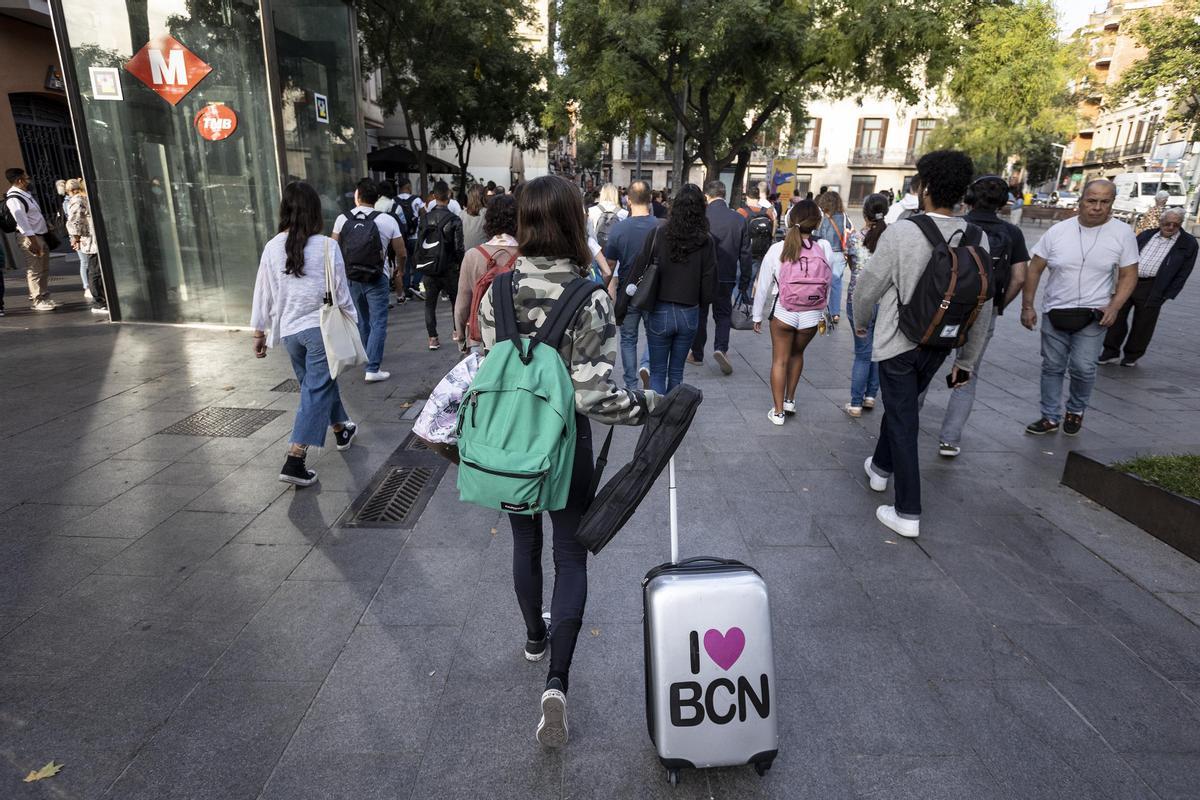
860,187
872,137
186,218
320,98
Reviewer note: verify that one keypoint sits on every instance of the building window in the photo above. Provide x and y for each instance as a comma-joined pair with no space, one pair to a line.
810,139
803,183
918,135
860,187
872,134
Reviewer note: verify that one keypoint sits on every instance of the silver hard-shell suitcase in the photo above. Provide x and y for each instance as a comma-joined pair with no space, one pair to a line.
710,664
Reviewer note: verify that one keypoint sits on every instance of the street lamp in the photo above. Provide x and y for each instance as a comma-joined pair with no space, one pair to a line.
1061,161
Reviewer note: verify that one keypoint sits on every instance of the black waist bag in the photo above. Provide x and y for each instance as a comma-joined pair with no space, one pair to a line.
614,504
1073,320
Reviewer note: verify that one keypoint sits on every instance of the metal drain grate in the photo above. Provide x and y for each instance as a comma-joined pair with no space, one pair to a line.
290,385
396,497
414,442
237,423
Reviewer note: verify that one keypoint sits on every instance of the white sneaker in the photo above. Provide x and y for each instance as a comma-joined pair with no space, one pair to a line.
948,450
375,377
776,419
878,484
789,407
908,528
44,305
552,729
868,402
853,410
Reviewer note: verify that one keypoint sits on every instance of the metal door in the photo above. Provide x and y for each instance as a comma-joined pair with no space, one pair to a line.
47,146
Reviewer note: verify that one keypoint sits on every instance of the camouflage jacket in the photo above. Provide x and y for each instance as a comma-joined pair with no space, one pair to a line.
589,347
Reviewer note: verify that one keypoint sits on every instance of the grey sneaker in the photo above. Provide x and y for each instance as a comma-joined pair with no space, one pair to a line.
552,729
948,450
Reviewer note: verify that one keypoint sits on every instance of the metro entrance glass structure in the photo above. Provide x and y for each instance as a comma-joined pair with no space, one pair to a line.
186,195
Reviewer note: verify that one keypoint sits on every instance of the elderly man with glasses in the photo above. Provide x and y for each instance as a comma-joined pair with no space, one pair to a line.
1165,260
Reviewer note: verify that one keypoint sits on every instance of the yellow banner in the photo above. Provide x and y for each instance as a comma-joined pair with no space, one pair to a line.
782,177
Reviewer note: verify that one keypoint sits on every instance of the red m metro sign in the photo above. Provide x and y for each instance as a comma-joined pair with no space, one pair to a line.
167,67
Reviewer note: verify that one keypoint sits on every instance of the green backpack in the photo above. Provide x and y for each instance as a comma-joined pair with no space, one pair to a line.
516,424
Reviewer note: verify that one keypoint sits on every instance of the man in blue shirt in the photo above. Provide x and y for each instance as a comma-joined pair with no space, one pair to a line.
625,242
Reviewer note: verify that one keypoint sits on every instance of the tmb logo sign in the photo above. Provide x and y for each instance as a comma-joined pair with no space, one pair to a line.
692,702
216,121
167,67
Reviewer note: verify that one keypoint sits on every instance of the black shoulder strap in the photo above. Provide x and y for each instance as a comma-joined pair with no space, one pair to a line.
972,236
19,197
929,228
564,310
503,306
371,217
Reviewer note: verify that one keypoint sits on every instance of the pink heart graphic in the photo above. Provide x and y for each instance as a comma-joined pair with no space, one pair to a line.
725,649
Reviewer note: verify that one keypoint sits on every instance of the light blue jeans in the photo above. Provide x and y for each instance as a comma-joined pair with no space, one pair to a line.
1068,353
864,375
83,269
962,398
670,328
371,299
838,265
320,401
629,347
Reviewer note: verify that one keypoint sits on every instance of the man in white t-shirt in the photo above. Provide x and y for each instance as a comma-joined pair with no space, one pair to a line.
370,277
1079,256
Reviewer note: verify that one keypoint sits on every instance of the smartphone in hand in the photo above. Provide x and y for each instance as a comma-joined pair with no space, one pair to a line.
963,377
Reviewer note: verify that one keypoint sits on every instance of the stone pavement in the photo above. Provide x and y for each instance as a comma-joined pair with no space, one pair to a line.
175,623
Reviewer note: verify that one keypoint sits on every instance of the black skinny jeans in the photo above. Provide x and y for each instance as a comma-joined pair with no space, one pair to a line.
570,562
434,286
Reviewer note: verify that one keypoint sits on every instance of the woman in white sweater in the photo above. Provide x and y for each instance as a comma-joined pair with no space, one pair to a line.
288,295
791,331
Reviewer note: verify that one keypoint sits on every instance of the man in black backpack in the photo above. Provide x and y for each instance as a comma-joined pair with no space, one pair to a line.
1006,246
365,237
411,206
892,278
439,254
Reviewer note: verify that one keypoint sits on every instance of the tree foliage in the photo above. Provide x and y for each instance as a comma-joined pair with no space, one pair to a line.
1011,87
1171,36
724,70
458,71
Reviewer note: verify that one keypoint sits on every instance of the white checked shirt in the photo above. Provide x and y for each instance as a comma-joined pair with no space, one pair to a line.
1154,253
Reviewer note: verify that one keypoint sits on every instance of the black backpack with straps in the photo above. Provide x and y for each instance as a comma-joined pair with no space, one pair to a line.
361,247
953,289
8,223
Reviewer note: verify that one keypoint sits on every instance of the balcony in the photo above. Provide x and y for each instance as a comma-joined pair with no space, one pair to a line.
629,152
805,156
877,156
1103,57
1136,149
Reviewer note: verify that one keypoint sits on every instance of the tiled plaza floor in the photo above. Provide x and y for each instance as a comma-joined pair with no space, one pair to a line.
175,623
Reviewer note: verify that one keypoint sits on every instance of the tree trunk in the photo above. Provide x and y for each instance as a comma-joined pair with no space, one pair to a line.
678,164
739,177
423,164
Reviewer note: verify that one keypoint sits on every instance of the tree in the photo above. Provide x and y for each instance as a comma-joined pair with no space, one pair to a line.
1010,87
722,71
458,70
1171,36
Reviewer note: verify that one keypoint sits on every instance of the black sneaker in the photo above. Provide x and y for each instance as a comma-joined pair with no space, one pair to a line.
552,729
296,473
1072,424
535,650
1041,427
345,436
1126,362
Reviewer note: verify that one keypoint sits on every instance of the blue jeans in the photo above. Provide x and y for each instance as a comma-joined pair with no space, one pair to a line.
1073,353
838,265
962,398
83,269
371,299
320,401
629,348
670,329
864,375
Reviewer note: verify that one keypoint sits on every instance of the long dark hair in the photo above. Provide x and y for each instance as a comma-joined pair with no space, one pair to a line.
687,225
875,208
300,217
550,221
802,220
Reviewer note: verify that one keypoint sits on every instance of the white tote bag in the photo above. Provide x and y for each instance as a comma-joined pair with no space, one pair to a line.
343,345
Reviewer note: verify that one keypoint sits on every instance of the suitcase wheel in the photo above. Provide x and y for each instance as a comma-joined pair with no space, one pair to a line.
761,767
673,777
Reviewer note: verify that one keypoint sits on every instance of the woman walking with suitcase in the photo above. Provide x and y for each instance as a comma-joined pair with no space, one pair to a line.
552,238
794,280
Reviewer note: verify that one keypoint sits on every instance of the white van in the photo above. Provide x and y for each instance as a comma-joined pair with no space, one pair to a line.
1136,190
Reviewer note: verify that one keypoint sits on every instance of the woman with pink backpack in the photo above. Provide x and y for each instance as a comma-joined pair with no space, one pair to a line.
793,290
